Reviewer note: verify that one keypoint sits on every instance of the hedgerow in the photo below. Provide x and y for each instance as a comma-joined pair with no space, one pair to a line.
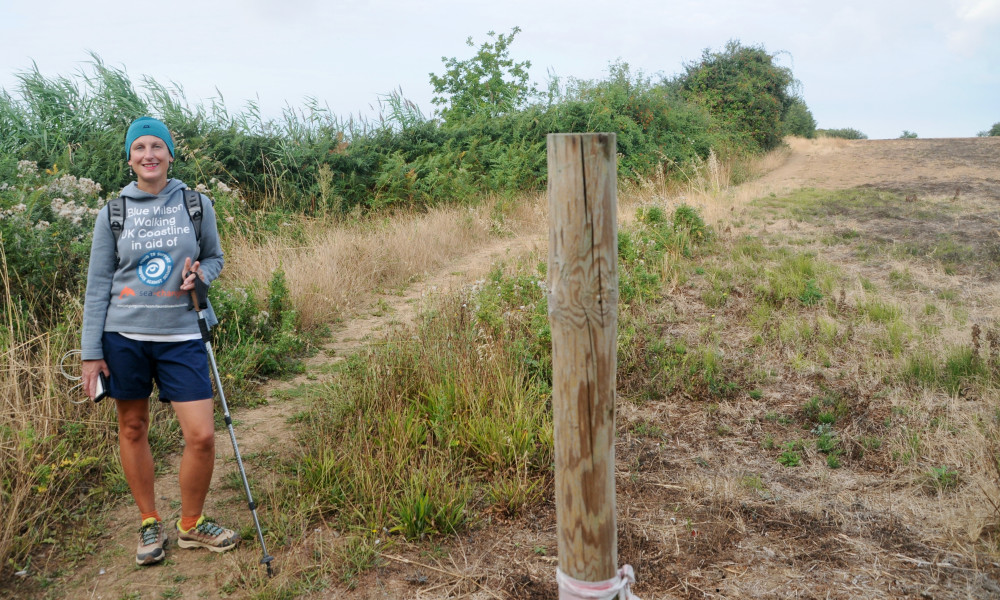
488,138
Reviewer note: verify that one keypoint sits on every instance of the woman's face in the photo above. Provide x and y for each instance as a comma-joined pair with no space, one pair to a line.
150,159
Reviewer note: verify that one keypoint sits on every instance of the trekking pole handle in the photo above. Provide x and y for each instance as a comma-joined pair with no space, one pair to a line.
199,295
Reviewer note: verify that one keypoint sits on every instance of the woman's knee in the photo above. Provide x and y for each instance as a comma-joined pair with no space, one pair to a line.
133,429
200,438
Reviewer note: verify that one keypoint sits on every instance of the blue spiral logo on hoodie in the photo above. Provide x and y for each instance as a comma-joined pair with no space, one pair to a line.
154,268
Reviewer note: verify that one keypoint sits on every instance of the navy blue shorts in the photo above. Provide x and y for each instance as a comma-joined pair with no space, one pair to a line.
180,369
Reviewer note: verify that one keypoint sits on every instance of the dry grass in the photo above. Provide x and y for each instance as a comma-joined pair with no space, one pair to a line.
41,464
709,188
341,267
719,516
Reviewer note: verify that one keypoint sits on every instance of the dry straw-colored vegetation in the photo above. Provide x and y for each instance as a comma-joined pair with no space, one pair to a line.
836,408
335,268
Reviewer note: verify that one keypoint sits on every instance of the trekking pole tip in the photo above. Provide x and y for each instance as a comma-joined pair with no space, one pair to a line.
266,561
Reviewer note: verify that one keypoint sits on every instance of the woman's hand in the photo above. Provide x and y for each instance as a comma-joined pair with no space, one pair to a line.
90,370
189,273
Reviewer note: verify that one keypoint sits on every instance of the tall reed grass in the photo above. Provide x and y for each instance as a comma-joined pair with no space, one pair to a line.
55,455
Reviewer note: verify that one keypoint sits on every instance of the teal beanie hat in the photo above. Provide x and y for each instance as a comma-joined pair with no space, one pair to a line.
147,126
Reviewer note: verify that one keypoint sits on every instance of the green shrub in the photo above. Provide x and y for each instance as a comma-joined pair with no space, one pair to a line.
827,440
811,294
799,120
744,89
256,339
46,220
992,131
826,409
642,251
846,133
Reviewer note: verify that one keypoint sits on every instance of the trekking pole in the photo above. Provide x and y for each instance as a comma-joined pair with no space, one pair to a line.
201,292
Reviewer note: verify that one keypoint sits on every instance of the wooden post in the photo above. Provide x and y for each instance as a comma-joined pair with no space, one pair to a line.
583,313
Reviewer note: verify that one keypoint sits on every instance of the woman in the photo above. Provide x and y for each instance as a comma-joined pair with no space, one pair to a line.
137,329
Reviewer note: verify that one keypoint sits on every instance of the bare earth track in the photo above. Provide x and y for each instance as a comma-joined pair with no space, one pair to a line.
685,523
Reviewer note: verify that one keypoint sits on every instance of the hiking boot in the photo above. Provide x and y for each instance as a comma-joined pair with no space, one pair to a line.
207,534
152,542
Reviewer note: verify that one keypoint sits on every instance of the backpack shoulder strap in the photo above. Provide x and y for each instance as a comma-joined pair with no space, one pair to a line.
192,200
116,218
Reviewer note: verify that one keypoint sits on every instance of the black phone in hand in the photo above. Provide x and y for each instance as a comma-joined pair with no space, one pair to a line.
102,387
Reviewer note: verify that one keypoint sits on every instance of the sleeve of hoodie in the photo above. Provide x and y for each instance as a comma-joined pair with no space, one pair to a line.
100,272
211,247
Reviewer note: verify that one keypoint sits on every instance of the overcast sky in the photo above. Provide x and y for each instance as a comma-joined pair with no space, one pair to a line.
927,66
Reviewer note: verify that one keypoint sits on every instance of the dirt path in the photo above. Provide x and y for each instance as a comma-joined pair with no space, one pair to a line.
930,167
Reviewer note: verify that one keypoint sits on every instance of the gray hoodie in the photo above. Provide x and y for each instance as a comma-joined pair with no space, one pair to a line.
143,295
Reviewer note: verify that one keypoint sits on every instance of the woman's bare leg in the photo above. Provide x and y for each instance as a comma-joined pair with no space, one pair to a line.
198,427
137,458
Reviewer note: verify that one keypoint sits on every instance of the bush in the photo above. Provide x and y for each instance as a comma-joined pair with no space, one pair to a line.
654,126
744,89
992,131
846,133
46,220
799,120
255,338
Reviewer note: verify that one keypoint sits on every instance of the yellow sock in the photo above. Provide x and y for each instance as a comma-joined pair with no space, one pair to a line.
186,523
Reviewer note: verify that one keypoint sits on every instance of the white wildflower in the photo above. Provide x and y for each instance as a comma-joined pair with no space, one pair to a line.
27,168
70,186
71,211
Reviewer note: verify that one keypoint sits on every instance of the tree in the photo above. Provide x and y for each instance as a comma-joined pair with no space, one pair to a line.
992,131
908,135
799,120
743,88
488,84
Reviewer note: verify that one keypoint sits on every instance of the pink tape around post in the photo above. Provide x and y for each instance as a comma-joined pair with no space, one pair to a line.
619,586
